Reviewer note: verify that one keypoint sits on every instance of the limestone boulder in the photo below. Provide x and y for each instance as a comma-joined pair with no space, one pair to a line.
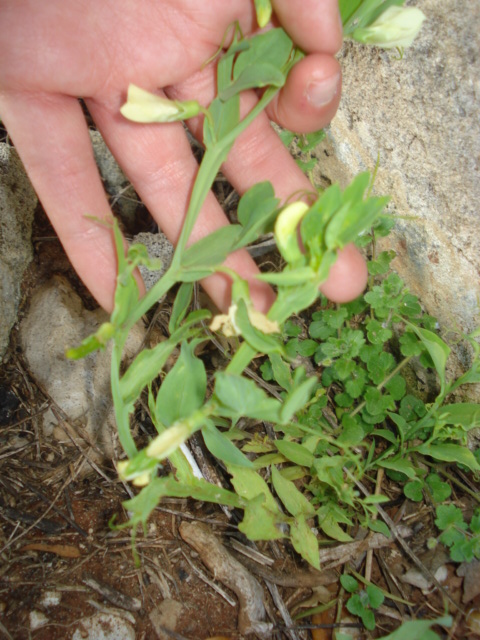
419,116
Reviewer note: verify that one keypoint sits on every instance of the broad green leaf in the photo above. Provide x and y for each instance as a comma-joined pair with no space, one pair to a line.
417,629
375,596
257,210
379,527
281,371
239,396
450,453
259,522
414,490
222,448
297,398
295,452
184,387
466,415
261,75
441,491
249,485
304,541
293,500
329,525
349,583
400,464
144,369
211,251
273,47
436,347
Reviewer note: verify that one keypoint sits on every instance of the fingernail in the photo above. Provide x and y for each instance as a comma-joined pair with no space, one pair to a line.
320,93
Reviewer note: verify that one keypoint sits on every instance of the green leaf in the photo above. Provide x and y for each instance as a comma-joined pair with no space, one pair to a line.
257,210
293,500
418,629
295,452
450,453
400,464
259,522
281,371
249,484
328,523
379,527
211,251
222,448
273,47
438,350
304,541
414,490
449,516
466,415
297,398
96,341
349,583
184,387
375,596
180,306
260,75
239,396
441,491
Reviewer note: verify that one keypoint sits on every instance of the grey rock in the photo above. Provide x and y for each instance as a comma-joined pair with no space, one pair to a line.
419,116
17,206
158,247
119,189
104,626
55,321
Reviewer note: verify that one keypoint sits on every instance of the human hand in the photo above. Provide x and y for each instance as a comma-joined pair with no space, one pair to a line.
52,53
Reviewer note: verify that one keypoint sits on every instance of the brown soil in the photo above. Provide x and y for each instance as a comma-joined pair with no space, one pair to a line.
56,505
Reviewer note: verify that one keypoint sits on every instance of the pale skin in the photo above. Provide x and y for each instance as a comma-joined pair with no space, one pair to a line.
53,52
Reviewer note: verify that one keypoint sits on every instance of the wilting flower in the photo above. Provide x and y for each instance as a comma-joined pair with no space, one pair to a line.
168,441
229,327
143,106
285,230
395,27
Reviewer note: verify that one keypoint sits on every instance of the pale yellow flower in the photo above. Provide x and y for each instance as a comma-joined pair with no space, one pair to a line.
143,106
395,27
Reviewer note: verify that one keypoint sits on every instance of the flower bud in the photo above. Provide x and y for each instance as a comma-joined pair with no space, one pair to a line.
143,106
395,27
286,230
168,441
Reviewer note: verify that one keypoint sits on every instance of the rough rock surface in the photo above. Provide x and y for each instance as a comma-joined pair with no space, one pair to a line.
80,388
115,182
17,205
419,116
158,246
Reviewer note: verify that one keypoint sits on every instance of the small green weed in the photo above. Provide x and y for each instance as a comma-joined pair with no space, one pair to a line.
341,410
462,539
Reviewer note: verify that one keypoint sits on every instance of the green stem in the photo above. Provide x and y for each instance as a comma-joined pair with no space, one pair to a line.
211,163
